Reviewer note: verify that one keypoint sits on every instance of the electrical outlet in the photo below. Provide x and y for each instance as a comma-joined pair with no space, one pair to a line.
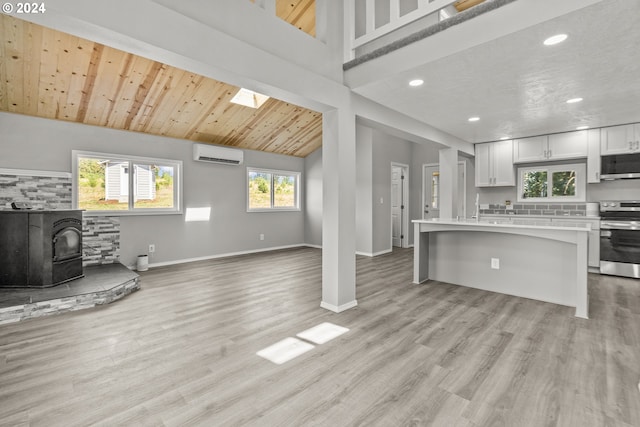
261,236
495,263
152,248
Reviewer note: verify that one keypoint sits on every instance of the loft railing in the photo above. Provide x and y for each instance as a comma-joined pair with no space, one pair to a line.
361,17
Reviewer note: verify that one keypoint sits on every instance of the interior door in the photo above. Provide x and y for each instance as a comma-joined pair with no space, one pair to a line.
430,186
396,206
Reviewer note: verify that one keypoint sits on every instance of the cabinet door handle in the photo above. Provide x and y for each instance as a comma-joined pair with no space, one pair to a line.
545,154
631,145
550,154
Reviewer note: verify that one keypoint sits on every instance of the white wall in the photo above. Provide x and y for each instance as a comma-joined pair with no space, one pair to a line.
313,198
41,144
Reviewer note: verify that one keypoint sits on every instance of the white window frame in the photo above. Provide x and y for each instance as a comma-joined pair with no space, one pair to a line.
581,186
177,183
271,190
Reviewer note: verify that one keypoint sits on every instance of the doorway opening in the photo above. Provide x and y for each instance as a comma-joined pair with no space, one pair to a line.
399,205
431,190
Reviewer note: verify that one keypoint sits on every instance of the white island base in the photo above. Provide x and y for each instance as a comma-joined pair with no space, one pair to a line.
540,262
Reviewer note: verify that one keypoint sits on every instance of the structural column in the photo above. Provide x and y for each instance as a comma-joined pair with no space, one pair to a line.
338,210
448,183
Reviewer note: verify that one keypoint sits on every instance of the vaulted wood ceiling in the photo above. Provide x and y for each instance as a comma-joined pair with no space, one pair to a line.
50,74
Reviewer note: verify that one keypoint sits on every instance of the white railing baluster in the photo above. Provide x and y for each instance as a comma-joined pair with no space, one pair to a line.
370,16
394,11
425,7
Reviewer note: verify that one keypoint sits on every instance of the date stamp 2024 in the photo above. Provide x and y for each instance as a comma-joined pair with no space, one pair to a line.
23,8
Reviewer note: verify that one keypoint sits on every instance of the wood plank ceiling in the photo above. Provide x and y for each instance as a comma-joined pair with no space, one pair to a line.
50,74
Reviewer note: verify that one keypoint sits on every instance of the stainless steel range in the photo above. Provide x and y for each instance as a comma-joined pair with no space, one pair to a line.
620,238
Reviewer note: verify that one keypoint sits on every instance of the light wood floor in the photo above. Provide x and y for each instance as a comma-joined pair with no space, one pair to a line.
182,351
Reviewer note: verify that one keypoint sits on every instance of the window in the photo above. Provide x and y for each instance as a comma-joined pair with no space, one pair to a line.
269,190
552,183
125,185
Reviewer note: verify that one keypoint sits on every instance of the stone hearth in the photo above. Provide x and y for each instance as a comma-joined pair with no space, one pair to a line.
102,284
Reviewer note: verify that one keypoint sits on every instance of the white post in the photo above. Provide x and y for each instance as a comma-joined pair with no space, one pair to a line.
339,210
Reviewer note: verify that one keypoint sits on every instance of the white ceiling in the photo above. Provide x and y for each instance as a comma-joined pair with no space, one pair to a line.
519,87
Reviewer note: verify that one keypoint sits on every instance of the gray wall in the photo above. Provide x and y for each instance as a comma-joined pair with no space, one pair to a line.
41,144
386,149
313,198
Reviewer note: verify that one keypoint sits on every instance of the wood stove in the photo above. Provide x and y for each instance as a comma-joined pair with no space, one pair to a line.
40,248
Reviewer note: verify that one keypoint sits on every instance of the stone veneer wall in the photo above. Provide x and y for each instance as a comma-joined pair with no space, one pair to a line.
53,190
43,192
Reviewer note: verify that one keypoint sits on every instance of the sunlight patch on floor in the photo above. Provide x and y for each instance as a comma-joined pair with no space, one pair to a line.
322,333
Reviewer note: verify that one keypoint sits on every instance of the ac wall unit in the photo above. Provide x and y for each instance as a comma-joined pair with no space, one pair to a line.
216,154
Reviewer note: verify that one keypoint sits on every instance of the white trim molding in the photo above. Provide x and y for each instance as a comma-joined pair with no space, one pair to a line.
338,308
225,255
29,172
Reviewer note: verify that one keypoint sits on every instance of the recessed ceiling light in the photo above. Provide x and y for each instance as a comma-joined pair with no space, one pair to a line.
474,119
573,100
504,138
416,82
582,127
558,38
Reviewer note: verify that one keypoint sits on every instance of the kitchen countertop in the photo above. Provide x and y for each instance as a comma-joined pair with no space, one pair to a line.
496,223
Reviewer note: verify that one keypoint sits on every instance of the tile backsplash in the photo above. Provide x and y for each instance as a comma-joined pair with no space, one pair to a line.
544,209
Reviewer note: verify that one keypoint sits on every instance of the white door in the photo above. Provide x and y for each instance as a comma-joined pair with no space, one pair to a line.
430,186
431,191
396,205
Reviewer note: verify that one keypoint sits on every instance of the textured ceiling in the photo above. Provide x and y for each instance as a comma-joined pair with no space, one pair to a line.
54,75
519,87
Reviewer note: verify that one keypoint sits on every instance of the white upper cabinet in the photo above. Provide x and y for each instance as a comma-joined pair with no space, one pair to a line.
494,164
593,159
560,146
620,139
568,145
533,149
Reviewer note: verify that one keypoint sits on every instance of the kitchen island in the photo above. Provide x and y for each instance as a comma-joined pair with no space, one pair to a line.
526,259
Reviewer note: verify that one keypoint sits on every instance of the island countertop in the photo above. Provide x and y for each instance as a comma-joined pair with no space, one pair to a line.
528,258
523,223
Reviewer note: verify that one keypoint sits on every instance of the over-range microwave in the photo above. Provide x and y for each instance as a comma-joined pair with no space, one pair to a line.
620,166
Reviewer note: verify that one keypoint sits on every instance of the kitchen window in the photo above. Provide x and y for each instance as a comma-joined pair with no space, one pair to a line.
125,185
272,190
552,183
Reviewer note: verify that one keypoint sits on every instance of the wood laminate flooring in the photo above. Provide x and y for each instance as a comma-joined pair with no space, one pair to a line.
182,351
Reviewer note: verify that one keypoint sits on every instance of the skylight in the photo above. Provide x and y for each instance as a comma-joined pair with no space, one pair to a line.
249,98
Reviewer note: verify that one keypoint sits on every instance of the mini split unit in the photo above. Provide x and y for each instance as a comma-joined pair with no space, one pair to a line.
217,154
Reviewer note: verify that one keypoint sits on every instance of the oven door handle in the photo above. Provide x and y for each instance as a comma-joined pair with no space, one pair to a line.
610,225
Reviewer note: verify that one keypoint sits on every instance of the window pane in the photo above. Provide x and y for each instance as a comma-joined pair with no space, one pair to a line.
435,183
564,183
103,184
153,186
284,191
534,184
259,190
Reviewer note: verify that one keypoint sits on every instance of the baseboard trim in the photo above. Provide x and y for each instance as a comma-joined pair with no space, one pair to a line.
338,308
313,246
371,255
225,255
